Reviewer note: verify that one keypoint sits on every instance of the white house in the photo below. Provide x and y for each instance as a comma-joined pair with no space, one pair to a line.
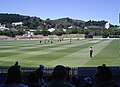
2,27
107,25
70,27
17,23
51,29
29,33
64,30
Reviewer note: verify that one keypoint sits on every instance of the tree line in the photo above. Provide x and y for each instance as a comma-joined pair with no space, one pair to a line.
42,26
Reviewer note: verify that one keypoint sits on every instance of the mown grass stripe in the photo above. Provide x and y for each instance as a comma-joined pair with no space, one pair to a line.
55,53
109,55
81,55
35,50
76,57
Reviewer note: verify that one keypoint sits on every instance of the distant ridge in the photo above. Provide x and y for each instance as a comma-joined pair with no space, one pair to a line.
34,22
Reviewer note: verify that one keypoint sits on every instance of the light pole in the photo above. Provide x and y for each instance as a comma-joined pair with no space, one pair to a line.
119,39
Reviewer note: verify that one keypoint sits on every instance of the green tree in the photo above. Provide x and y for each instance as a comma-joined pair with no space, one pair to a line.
45,33
38,32
105,34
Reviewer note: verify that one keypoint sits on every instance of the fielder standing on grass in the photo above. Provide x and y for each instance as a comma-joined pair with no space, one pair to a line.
91,51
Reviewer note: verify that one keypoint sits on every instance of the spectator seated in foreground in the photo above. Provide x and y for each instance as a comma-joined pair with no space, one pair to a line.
59,75
103,77
14,78
32,80
40,75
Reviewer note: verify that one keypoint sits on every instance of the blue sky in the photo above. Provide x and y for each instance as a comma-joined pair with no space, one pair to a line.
76,9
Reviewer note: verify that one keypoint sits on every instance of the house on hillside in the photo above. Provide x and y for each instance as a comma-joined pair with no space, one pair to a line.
107,25
29,33
64,30
94,27
70,27
51,29
17,23
2,27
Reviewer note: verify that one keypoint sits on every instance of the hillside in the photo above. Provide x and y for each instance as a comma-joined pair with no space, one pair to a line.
38,23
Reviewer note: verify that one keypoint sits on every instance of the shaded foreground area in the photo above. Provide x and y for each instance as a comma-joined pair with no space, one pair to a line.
78,73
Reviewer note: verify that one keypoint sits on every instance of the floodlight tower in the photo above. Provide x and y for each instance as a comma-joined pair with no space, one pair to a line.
119,38
119,17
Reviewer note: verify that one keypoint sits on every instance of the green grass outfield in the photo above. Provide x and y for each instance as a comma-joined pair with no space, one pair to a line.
75,54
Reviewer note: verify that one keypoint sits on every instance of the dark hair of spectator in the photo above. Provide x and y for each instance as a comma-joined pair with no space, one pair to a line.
32,80
32,77
104,72
16,64
14,75
59,72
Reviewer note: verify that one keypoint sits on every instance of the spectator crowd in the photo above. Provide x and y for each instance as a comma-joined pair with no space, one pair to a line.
60,77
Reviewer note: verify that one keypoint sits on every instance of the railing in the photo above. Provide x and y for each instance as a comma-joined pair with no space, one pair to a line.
81,71
48,70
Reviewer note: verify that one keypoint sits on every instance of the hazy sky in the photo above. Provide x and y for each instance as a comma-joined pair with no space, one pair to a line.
76,9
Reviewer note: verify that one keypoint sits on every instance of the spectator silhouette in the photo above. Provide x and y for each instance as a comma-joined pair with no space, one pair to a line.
14,78
32,80
41,67
59,74
40,75
75,81
17,64
103,77
88,82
